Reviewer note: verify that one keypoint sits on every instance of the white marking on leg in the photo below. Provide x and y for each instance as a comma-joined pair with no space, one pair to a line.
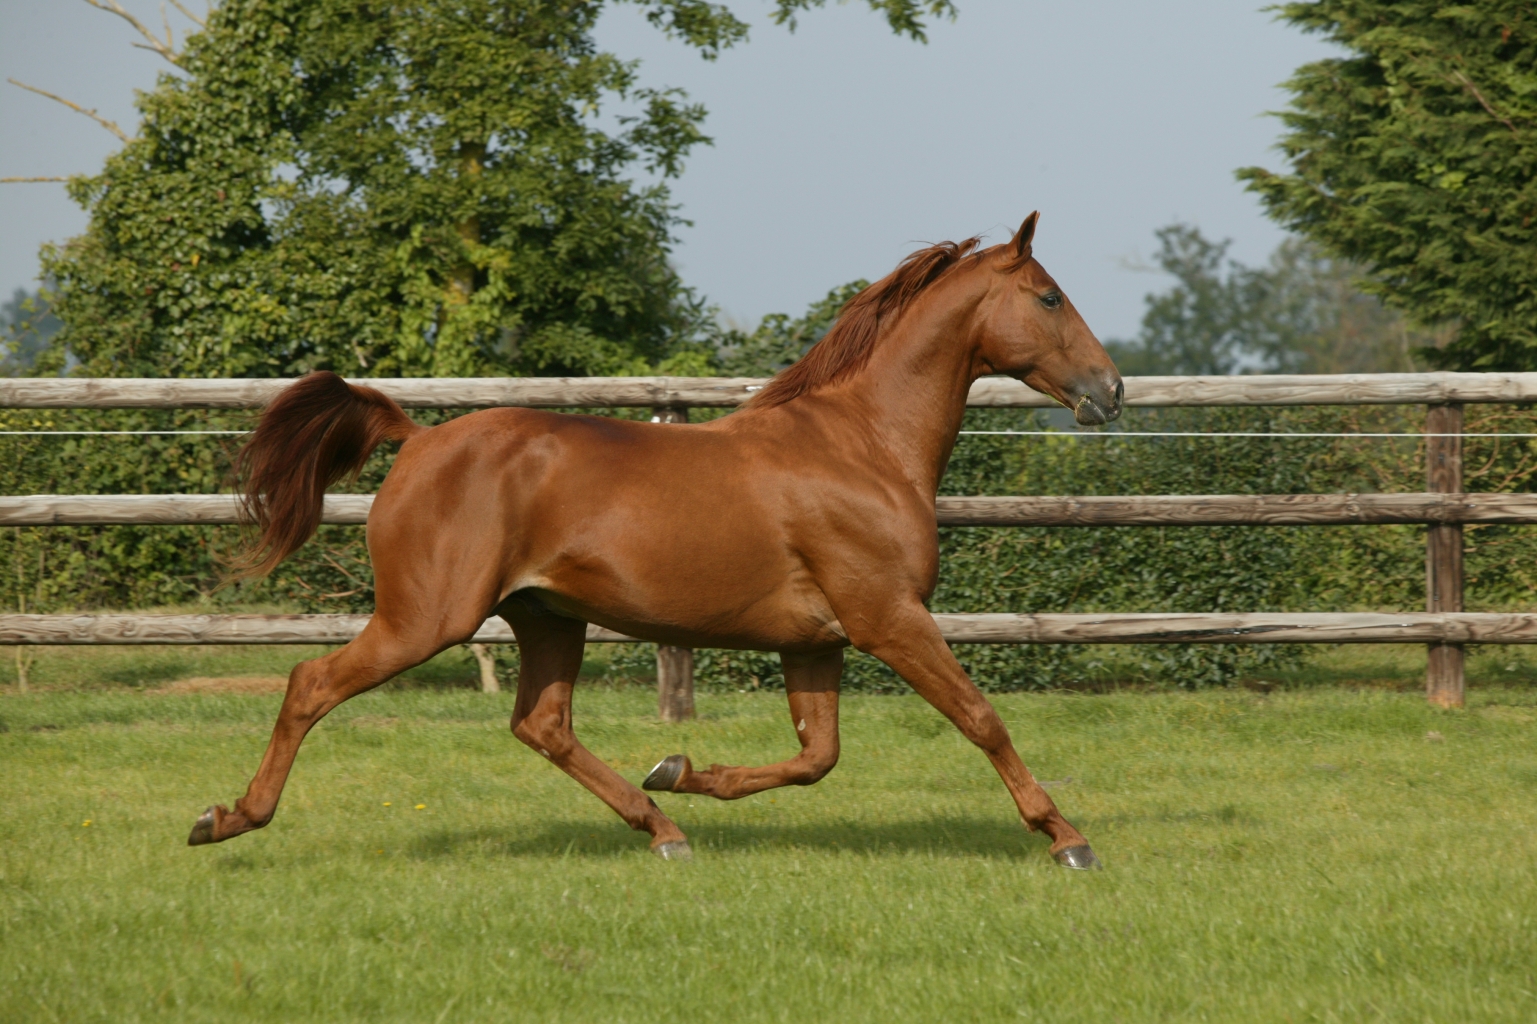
802,726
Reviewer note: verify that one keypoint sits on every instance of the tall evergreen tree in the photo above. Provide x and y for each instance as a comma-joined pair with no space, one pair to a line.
1415,154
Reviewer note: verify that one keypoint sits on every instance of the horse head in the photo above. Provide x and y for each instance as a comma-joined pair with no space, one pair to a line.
1031,331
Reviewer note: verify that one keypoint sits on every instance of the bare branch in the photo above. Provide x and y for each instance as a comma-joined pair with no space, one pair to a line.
199,22
164,48
166,21
3,180
111,126
1470,87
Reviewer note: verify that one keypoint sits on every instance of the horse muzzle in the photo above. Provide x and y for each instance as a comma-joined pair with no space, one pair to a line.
1099,403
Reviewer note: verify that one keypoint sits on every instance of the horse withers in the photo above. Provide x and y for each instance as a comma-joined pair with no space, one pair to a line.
802,523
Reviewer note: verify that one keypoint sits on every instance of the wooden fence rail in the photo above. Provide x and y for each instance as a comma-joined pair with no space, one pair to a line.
683,392
1141,510
1159,628
1444,627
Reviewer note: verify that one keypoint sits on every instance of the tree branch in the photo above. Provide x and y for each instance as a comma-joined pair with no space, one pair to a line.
165,20
166,48
1470,87
111,126
4,180
199,22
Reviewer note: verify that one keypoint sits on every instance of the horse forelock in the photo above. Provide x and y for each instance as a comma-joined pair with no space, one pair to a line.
847,346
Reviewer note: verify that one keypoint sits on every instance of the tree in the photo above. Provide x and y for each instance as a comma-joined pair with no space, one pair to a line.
780,339
26,325
421,187
1415,155
1300,313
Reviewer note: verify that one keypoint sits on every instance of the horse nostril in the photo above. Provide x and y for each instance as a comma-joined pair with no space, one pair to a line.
1120,394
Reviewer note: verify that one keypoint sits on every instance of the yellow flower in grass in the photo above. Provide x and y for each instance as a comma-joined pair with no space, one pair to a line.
421,807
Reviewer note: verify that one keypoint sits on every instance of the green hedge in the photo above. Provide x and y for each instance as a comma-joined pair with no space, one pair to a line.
982,569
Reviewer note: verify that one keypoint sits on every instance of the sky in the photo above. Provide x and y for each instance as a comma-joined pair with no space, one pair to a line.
838,148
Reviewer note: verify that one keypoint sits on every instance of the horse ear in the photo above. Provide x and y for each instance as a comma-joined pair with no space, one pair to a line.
1024,236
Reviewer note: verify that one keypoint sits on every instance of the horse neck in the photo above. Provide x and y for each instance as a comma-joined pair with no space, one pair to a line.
912,393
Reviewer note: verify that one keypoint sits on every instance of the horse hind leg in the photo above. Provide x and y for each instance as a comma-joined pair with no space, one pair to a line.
550,655
316,687
811,684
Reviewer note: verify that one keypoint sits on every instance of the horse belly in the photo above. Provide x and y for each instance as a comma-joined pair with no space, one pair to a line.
694,588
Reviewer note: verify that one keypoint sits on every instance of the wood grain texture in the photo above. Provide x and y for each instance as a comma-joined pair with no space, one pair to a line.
1332,389
1445,683
1144,510
629,392
1197,628
153,509
410,392
218,629
1241,628
1238,510
674,683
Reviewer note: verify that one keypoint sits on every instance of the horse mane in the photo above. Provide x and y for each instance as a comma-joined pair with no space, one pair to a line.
846,347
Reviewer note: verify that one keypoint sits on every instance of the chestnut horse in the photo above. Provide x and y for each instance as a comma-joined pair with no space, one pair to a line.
801,523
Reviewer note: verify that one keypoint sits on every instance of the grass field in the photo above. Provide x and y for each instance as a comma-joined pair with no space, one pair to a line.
1322,854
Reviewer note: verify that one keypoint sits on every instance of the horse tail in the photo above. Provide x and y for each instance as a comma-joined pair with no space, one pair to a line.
318,430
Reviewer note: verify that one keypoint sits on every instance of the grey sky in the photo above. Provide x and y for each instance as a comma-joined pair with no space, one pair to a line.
838,148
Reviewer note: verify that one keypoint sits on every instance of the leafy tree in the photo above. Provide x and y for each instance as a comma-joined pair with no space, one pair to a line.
420,187
26,325
1300,313
904,16
1416,155
780,339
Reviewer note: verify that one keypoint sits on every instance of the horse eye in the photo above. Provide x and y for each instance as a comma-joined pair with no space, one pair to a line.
1051,300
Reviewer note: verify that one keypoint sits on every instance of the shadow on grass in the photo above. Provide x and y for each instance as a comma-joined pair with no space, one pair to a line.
943,837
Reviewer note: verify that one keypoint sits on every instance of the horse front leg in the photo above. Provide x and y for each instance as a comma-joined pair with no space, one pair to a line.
909,642
811,683
550,656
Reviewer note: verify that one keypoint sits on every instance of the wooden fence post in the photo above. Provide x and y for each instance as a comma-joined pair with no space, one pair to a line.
1444,684
674,665
487,664
674,683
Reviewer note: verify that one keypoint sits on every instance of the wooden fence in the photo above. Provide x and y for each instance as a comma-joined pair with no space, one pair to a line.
1443,507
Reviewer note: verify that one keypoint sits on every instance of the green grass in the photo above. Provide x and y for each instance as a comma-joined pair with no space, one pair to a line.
1301,856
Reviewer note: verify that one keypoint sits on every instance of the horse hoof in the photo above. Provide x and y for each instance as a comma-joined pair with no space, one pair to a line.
678,850
202,829
1079,858
665,776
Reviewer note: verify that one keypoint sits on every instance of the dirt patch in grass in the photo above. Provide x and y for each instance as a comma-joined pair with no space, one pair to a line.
226,684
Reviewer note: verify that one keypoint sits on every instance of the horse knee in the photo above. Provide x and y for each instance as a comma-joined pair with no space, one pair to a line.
548,732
